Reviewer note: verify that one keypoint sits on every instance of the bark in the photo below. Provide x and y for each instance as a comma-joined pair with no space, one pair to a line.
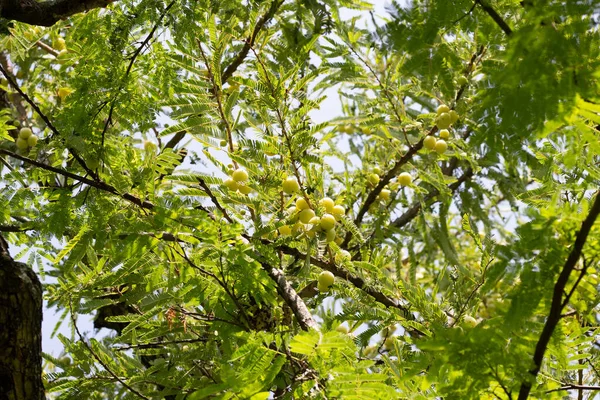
20,330
46,13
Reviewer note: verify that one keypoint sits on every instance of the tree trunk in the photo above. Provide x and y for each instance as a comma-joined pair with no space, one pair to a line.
20,330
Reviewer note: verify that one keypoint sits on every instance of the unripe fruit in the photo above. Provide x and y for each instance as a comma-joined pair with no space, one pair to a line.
470,321
404,179
442,109
24,133
239,175
338,212
93,163
453,116
429,142
389,343
322,288
60,44
376,170
245,189
290,185
443,120
370,351
327,204
349,128
231,184
366,130
223,143
373,179
330,235
327,222
149,146
285,230
385,194
441,146
342,329
326,279
462,80
22,144
302,204
316,221
32,140
306,215
345,255
444,133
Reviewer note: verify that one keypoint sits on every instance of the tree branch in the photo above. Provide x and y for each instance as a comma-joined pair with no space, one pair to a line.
46,13
495,16
557,296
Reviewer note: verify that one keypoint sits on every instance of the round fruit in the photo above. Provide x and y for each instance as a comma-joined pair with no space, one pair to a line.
442,109
326,279
404,179
462,80
441,146
32,140
22,144
93,163
239,175
349,128
370,351
149,146
302,204
470,321
60,44
444,133
285,230
366,130
453,116
376,170
345,255
327,204
306,215
389,343
429,142
24,133
330,235
223,143
316,221
443,120
322,288
373,179
342,329
290,185
244,189
231,184
385,194
327,222
338,212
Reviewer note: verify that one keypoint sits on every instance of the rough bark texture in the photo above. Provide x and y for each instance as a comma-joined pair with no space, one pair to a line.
46,13
20,330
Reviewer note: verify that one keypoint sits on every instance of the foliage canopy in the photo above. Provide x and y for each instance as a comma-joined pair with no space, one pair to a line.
476,280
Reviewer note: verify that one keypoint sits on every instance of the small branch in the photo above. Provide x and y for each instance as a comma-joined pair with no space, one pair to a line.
157,344
46,48
13,228
574,387
104,365
495,16
557,296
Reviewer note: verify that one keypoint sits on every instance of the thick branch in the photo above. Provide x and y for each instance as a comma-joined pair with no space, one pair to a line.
46,13
557,296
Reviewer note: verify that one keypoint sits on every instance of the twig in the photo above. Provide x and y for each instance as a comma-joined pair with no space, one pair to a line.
573,387
495,16
557,296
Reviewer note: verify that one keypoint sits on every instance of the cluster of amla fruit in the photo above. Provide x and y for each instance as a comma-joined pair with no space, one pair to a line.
305,218
26,139
238,181
445,118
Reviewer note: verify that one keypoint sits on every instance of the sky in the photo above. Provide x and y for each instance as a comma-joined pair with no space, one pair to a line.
330,108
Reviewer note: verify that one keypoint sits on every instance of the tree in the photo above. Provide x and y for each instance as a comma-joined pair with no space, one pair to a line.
437,240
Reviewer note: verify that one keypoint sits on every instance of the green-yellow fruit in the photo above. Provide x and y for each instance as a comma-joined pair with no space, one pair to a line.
376,170
429,142
441,146
443,120
285,230
239,175
24,133
327,222
330,235
223,143
453,116
302,204
404,179
322,288
345,255
349,128
306,215
342,329
373,179
32,140
245,189
326,279
462,80
290,185
442,109
60,44
338,212
22,144
149,146
93,163
327,204
316,221
444,133
231,184
470,321
385,194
